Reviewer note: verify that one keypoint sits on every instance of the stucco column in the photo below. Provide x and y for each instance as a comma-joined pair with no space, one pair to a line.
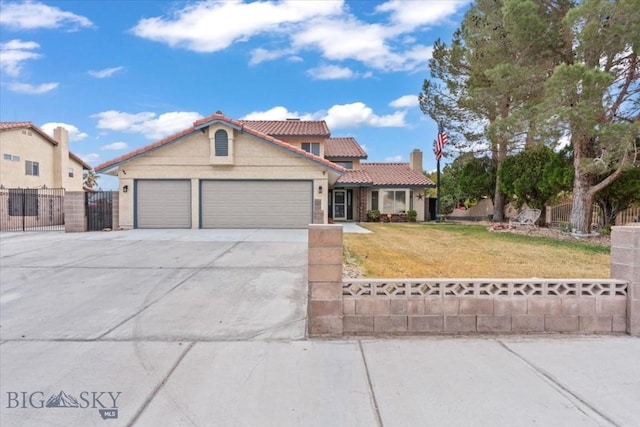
625,265
325,280
195,203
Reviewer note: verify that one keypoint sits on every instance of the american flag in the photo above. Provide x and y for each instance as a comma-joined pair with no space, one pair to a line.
441,141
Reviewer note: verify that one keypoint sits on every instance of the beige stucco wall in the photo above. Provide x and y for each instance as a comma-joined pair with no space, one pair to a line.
189,158
29,145
297,142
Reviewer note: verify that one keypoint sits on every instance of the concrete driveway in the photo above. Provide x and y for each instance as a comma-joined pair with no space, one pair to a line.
154,285
206,328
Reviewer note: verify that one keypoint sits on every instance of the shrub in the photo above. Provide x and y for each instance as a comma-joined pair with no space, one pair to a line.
373,215
412,215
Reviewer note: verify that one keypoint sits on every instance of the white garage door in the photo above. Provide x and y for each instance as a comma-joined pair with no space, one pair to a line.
163,204
256,204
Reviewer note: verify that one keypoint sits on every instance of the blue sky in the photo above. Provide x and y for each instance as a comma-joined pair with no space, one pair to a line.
122,74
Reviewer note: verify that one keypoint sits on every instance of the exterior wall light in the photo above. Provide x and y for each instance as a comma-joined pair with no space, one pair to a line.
320,189
125,188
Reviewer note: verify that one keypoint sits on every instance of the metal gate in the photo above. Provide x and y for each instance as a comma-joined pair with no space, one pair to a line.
32,209
99,208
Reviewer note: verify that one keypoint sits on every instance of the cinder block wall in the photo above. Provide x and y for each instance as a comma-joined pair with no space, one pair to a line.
325,280
115,210
625,265
452,315
75,218
450,306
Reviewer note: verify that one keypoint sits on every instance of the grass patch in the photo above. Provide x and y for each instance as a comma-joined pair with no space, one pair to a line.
454,250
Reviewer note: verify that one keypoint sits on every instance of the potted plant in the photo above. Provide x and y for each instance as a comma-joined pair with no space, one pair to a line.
373,215
412,215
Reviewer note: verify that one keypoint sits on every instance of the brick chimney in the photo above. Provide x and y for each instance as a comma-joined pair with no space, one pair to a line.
415,160
61,157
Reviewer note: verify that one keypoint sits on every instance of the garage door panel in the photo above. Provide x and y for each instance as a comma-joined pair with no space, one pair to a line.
256,204
163,204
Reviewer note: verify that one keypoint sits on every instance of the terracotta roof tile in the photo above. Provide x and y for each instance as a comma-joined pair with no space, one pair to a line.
30,125
385,174
232,122
285,128
341,147
359,177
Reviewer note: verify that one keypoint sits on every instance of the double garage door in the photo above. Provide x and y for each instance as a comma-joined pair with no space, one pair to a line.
224,204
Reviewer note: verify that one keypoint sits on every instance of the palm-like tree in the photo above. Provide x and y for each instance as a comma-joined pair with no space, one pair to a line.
89,178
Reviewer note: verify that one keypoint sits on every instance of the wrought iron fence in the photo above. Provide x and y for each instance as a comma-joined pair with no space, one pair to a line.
32,209
99,210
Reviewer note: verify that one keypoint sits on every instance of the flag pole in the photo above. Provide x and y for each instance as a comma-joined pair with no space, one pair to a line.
438,189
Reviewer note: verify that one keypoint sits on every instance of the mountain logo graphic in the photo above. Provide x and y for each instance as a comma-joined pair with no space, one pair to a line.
62,400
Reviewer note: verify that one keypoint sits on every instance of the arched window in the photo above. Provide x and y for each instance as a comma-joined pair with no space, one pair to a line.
221,143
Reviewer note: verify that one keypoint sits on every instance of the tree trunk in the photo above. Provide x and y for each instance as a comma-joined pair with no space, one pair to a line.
498,203
582,206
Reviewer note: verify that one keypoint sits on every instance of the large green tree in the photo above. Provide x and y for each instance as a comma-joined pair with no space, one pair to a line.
594,95
482,86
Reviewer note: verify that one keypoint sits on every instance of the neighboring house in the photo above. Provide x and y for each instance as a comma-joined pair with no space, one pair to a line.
226,173
34,170
33,159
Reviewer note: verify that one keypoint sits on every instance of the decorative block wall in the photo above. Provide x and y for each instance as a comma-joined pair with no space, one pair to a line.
75,218
460,306
625,265
325,280
115,210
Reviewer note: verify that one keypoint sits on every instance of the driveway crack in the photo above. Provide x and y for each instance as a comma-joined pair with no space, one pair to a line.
564,390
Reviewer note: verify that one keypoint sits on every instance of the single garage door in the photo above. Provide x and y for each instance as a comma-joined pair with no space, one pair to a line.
256,204
163,204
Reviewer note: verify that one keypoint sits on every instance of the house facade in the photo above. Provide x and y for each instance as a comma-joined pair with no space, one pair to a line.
33,159
35,171
226,173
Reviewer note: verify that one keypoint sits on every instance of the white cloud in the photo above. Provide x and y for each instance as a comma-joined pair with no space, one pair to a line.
30,89
359,114
389,44
74,132
409,15
115,146
405,101
31,15
90,158
14,53
393,159
278,113
338,116
107,72
146,123
210,27
331,72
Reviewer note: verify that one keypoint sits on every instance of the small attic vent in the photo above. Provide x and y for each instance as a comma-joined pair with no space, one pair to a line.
294,119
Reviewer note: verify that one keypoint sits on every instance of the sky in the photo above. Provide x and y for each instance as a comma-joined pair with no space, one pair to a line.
122,74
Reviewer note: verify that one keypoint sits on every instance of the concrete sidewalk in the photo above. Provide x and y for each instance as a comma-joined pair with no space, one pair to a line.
556,381
206,328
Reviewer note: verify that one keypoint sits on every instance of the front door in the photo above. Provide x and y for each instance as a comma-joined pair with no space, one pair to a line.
339,204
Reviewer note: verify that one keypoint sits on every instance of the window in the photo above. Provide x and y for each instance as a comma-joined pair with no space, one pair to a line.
11,157
221,143
346,165
374,200
23,202
70,172
31,168
394,201
311,147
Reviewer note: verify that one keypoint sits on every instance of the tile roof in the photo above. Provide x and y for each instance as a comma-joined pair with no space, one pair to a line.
30,125
216,117
386,174
285,128
341,147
